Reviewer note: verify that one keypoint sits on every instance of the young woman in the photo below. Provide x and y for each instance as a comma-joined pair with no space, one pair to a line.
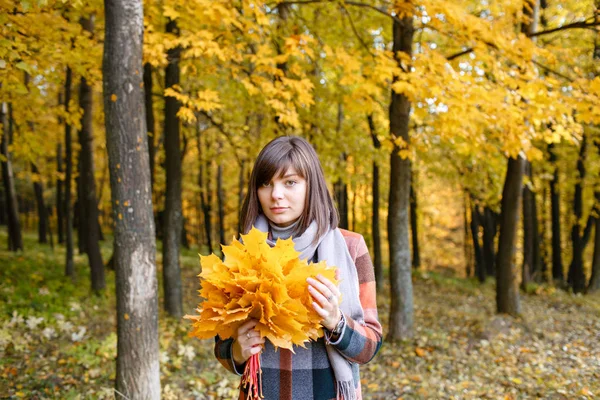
288,196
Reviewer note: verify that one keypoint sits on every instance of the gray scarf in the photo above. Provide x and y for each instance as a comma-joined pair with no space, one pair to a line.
332,249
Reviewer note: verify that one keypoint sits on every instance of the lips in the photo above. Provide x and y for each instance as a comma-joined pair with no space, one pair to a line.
278,210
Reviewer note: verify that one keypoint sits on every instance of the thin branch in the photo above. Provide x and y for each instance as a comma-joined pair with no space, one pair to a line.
547,69
352,3
574,25
360,39
225,133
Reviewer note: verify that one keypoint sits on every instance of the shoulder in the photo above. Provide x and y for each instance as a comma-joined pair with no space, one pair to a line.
355,242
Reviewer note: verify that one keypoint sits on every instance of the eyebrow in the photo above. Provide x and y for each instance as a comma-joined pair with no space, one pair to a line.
289,175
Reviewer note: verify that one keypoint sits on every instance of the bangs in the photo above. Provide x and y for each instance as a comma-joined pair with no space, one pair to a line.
277,166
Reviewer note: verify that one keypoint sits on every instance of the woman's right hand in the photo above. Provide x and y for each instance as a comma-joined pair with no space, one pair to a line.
247,342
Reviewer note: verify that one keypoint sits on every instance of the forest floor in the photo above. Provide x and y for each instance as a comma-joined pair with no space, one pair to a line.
58,341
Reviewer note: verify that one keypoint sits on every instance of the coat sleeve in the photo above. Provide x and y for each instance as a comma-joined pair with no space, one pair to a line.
224,354
360,342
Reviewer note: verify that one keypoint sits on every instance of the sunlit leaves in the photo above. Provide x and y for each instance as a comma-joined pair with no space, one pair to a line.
260,282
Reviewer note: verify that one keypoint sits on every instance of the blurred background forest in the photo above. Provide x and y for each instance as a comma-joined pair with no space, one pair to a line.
459,138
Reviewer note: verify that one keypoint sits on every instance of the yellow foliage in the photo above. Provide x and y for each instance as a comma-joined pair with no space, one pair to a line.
261,282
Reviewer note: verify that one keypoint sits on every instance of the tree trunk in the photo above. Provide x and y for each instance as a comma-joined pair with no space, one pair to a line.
69,265
469,268
480,270
594,284
173,218
138,375
378,264
416,258
576,274
204,188
490,228
15,239
38,189
220,203
507,294
60,205
148,102
528,227
88,199
557,266
340,187
402,310
241,186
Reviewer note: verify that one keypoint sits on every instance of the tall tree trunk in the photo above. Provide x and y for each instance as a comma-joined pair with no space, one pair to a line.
490,228
138,374
528,226
416,258
402,310
378,264
60,204
69,265
466,234
557,266
173,220
340,187
15,239
221,203
241,185
507,294
480,270
576,274
38,189
88,201
204,185
148,102
594,284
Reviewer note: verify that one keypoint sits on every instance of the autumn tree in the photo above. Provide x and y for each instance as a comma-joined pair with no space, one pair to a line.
131,193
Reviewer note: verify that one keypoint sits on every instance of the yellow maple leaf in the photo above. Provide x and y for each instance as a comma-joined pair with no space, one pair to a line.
261,282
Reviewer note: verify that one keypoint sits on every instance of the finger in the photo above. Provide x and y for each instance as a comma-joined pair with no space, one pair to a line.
245,328
337,274
323,300
324,290
333,288
323,313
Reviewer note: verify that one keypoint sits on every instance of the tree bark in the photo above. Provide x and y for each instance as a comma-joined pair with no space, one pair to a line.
490,228
134,242
528,227
221,203
148,102
69,265
38,189
15,238
594,284
414,227
480,270
507,294
576,274
60,205
378,264
88,199
173,218
205,200
402,310
557,266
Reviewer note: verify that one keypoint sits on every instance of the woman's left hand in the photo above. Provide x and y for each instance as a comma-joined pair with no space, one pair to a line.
327,297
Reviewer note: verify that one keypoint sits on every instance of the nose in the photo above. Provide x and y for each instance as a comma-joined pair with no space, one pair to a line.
277,191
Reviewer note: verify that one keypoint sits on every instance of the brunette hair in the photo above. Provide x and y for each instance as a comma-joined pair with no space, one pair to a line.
275,158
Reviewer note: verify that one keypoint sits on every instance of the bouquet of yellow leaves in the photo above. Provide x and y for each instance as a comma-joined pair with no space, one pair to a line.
261,282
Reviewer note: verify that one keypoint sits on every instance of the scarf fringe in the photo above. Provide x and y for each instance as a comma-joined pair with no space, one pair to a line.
345,390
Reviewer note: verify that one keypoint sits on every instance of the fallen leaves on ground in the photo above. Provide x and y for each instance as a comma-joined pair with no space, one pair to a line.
461,348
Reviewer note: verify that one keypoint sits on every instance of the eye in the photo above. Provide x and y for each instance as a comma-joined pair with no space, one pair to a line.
266,184
290,183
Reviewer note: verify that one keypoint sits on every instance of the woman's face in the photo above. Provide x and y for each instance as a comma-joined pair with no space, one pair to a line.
282,199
